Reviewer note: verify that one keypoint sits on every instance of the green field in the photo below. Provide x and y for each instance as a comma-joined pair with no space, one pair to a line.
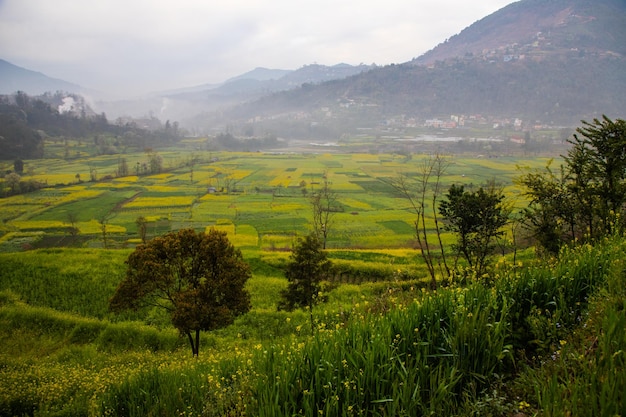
538,337
260,199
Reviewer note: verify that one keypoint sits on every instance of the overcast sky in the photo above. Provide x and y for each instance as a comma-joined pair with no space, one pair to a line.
135,46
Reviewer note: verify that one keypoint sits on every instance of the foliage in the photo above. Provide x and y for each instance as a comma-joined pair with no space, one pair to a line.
597,168
307,268
585,201
550,213
476,218
198,277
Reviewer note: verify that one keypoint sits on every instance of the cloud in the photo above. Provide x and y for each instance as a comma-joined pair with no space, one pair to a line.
142,45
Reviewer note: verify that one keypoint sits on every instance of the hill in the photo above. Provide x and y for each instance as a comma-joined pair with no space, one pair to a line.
14,78
553,62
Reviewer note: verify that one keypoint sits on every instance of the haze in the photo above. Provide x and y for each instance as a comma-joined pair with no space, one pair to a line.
131,47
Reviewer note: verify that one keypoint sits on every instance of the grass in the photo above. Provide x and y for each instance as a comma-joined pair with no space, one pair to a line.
546,339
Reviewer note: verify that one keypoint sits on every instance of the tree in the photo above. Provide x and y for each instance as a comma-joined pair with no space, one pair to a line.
155,162
550,215
597,169
587,200
142,227
122,167
415,191
477,219
324,204
307,268
12,180
72,218
199,278
18,166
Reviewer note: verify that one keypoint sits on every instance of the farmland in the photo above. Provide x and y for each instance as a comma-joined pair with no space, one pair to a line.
261,200
536,338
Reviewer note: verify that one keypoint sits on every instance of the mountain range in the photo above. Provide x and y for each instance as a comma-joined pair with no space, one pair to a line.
540,61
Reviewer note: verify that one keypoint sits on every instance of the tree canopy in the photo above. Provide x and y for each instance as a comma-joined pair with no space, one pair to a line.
198,277
586,201
476,218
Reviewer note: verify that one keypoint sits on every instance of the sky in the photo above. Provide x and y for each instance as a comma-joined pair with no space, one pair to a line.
131,47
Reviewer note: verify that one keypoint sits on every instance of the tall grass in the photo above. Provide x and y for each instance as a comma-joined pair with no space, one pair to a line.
556,327
443,350
585,374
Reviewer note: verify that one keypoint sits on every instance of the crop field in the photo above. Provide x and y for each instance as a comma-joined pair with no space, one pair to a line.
536,338
261,200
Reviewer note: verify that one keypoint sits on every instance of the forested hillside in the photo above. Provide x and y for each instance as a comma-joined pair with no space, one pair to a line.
26,121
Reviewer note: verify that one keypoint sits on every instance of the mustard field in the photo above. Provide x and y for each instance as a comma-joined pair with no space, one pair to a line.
261,199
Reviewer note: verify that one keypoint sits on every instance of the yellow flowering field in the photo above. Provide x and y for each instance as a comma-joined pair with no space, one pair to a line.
39,225
239,235
162,176
93,227
173,201
354,203
130,178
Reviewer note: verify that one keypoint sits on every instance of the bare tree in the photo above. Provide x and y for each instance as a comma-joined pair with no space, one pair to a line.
72,218
142,227
324,205
104,221
416,191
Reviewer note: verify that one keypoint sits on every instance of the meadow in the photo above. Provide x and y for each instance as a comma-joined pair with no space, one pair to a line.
538,337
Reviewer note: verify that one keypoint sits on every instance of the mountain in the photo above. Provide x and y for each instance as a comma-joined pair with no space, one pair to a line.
261,74
187,102
540,61
14,78
558,25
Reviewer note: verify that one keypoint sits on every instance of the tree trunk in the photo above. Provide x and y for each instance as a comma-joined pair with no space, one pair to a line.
194,344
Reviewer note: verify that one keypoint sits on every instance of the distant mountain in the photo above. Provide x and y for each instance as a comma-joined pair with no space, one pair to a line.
14,78
187,102
261,81
261,74
542,61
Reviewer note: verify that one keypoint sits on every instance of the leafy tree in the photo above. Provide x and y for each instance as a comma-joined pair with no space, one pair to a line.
550,215
587,199
199,278
596,164
12,181
307,268
476,217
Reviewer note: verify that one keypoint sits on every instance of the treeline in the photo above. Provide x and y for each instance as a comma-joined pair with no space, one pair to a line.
26,121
